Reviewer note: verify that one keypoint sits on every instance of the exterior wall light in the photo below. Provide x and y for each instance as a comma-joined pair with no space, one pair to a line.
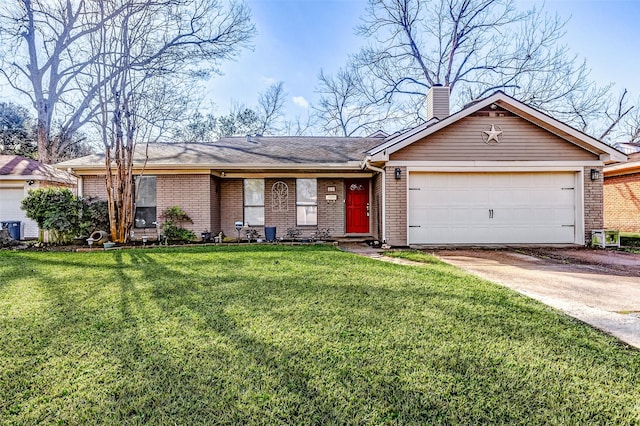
398,172
595,174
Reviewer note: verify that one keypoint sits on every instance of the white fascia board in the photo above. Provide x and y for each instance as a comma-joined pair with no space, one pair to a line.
39,178
622,168
381,156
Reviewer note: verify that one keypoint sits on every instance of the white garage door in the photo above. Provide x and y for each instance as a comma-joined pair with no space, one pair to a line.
10,199
492,208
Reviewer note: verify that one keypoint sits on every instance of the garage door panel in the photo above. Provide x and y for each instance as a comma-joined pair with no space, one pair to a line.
480,208
10,210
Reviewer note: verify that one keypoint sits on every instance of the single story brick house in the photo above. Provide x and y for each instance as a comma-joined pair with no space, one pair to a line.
17,176
622,195
496,172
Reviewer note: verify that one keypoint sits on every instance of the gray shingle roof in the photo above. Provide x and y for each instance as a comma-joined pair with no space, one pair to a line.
281,151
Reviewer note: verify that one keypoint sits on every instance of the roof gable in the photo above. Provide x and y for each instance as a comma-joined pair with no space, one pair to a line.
507,103
15,167
467,140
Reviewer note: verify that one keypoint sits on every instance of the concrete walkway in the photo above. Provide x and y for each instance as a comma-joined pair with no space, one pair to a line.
375,253
601,289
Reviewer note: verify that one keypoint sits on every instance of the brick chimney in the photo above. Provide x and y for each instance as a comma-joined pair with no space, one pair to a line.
438,102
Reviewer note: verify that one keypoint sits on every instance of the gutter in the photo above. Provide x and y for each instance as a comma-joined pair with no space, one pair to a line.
366,164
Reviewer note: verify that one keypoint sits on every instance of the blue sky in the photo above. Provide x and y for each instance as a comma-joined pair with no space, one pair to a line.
298,38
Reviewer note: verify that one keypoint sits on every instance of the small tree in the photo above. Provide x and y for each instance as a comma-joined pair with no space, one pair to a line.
174,217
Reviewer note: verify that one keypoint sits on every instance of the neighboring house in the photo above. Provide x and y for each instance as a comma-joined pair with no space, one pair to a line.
622,195
627,147
17,176
496,172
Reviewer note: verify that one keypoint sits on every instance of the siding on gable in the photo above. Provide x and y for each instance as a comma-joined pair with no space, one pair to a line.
521,141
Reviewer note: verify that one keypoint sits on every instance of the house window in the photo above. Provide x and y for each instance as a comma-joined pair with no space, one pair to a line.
254,202
307,201
145,202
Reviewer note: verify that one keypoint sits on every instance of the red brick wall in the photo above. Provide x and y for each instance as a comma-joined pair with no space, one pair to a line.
593,203
622,202
396,200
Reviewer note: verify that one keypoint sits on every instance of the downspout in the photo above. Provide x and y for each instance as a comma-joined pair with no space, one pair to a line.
367,165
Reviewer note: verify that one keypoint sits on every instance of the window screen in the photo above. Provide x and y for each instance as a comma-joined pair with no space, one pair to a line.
254,202
145,202
307,201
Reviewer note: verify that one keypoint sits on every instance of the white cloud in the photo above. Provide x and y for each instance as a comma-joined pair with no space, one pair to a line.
269,80
301,101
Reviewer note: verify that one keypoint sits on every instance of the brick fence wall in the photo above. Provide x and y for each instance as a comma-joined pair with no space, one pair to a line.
622,202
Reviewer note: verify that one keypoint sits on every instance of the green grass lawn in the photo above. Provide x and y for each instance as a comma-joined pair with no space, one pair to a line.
291,335
630,242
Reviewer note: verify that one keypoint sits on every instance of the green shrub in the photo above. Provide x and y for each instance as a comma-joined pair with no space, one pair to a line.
53,209
172,226
94,216
66,216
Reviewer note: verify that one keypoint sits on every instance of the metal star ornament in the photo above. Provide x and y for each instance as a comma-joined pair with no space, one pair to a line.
494,134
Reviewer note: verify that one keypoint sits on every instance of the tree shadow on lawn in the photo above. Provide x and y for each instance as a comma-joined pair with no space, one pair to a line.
205,340
301,367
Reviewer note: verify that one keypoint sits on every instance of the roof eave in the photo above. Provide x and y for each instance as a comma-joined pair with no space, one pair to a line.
352,165
606,153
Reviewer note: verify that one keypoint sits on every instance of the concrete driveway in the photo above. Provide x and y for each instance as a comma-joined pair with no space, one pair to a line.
598,287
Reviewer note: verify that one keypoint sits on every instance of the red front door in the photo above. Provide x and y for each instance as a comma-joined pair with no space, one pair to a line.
357,202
